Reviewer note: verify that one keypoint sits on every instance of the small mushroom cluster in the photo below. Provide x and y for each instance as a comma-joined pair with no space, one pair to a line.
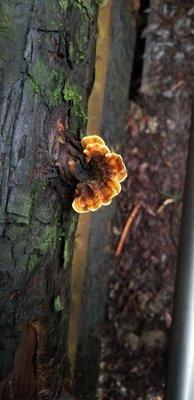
107,170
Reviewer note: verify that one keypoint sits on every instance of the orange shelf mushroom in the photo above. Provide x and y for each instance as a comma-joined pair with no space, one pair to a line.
107,170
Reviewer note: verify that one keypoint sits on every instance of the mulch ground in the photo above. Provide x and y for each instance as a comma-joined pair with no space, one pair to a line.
141,282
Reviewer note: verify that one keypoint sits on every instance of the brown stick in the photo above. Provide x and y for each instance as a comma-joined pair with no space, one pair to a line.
126,228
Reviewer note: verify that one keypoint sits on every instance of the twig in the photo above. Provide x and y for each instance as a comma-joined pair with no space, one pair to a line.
165,204
126,228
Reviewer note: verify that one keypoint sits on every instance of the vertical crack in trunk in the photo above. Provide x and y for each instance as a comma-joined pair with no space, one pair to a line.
142,20
16,114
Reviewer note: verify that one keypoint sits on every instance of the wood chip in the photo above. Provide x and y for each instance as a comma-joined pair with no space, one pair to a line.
165,204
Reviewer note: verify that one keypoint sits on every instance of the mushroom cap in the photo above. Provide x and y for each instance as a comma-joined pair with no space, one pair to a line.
107,171
90,140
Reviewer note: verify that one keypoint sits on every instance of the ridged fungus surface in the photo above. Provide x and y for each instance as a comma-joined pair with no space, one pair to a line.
106,171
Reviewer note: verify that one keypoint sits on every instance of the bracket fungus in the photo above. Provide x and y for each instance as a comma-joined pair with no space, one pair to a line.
105,172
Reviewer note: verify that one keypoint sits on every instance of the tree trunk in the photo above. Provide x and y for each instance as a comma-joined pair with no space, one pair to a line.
46,73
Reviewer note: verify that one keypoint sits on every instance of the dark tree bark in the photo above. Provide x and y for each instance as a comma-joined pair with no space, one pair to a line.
46,73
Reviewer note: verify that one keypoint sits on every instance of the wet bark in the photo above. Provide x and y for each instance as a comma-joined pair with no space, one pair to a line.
46,72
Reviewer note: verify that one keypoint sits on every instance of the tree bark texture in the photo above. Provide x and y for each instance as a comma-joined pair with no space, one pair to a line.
46,73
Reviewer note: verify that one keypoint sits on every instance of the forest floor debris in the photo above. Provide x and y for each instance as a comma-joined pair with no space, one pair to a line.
141,282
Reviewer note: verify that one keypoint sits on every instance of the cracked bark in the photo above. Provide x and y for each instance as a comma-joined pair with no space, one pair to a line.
46,73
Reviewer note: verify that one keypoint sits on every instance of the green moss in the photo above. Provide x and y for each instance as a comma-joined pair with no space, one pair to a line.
48,16
34,85
64,4
78,45
47,81
33,262
59,304
47,240
69,235
84,6
43,239
39,187
5,20
56,93
71,95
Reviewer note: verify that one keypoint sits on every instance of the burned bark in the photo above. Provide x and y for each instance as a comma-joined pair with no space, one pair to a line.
46,73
